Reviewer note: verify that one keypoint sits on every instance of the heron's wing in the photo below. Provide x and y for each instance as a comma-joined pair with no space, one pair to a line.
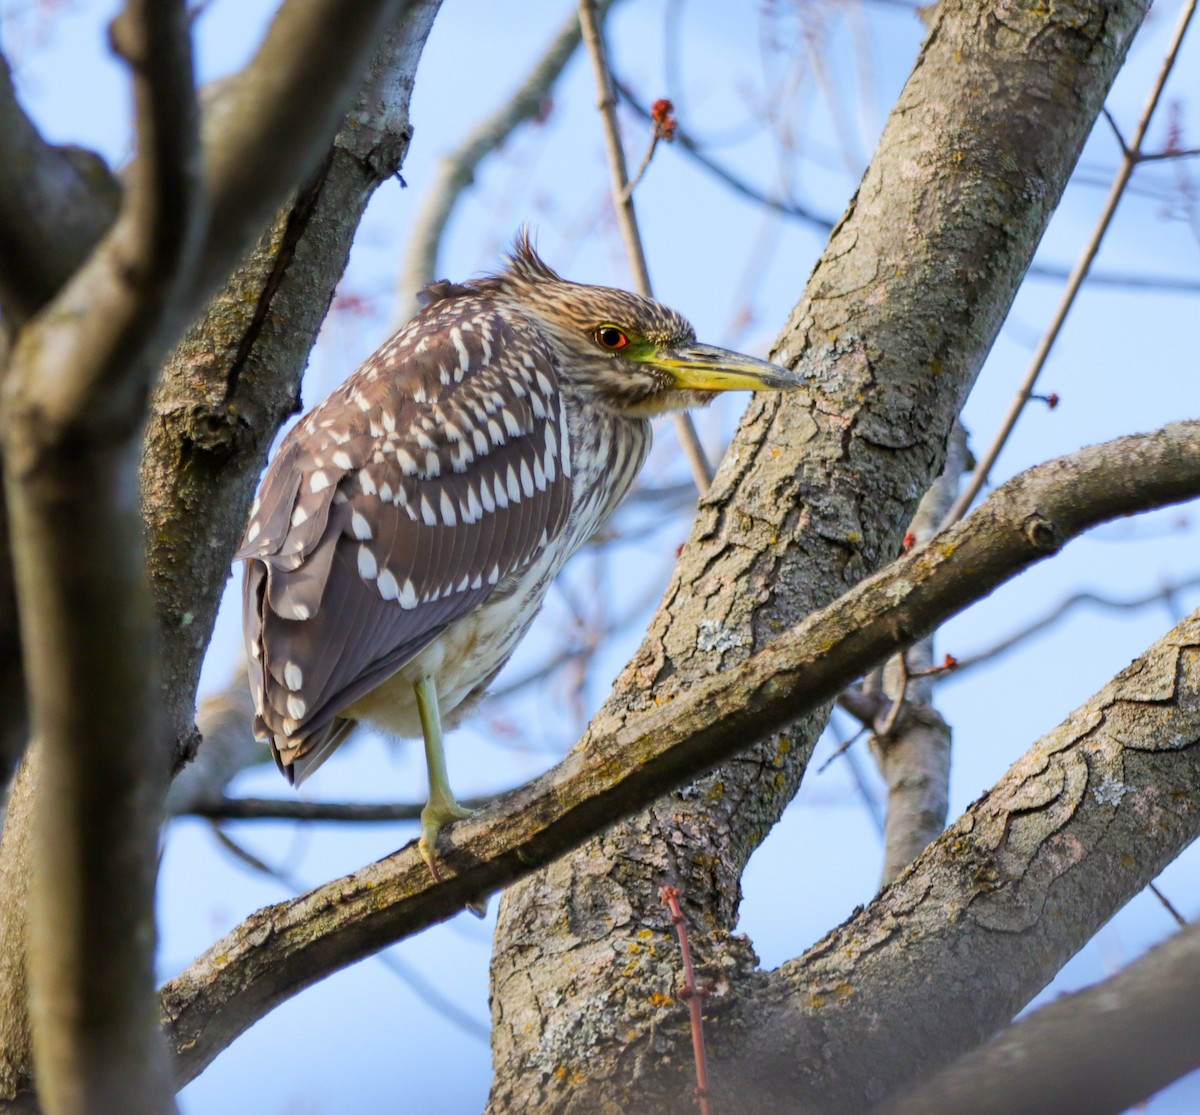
397,505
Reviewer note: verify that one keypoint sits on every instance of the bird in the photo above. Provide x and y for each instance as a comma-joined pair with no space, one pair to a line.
408,528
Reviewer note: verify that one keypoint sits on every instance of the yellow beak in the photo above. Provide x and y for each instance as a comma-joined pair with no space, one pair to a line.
708,368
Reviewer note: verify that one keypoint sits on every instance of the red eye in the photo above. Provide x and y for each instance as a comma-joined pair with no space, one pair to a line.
611,338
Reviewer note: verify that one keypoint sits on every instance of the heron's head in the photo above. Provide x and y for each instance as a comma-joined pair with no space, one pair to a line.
631,353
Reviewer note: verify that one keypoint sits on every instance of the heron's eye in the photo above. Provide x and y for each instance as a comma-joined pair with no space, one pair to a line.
611,338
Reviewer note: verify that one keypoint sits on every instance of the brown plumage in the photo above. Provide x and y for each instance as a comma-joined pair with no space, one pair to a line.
410,525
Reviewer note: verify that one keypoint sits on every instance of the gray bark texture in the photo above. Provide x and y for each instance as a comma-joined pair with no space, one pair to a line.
814,494
225,391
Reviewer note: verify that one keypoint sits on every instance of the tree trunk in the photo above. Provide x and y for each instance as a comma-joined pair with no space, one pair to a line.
814,494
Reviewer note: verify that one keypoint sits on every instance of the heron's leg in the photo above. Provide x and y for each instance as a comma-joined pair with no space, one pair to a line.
441,808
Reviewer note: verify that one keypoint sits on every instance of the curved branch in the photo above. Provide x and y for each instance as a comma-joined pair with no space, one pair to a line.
620,767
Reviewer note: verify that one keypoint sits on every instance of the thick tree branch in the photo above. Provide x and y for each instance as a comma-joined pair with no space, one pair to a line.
1078,826
75,392
620,767
1100,1050
815,493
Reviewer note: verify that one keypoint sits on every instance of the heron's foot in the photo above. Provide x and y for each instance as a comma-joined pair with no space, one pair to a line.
438,813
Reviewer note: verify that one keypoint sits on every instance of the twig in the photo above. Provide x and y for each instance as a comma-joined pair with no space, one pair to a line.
694,997
626,215
1179,918
692,147
1070,603
1131,155
662,113
282,809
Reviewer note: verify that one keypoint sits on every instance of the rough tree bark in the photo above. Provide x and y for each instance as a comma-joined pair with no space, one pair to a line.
814,493
275,117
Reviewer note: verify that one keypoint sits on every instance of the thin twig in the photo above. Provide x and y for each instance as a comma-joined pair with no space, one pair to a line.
283,809
1182,921
626,215
1077,599
738,185
1131,155
694,997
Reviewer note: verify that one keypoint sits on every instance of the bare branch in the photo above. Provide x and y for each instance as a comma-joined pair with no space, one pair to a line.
76,389
1065,607
913,749
285,809
1079,272
738,185
622,200
620,767
407,973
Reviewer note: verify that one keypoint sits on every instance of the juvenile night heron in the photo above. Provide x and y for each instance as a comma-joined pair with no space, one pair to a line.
409,527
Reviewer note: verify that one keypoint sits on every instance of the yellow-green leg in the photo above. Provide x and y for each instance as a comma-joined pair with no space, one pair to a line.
441,808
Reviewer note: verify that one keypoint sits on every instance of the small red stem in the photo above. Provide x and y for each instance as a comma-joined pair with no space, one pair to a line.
694,997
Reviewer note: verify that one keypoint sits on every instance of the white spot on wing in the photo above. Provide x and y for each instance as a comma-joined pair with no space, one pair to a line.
498,488
514,487
510,422
299,516
526,479
428,516
293,677
367,567
360,527
464,359
449,517
341,459
366,482
474,510
296,706
407,462
254,531
388,588
408,594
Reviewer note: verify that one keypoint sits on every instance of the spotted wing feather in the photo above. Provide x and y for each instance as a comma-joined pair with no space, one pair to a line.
400,503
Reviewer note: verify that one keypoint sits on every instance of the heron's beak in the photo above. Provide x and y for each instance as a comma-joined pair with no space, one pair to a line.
708,368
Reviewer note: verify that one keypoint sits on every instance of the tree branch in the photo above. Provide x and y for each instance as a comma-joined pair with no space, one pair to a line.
75,392
1079,272
1100,1050
622,202
55,204
620,767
